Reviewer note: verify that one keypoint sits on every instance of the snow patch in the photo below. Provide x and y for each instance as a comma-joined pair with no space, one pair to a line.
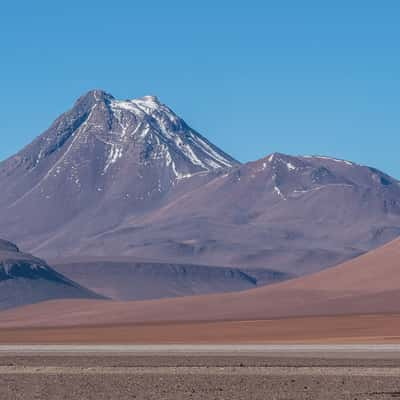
321,187
279,192
113,156
290,166
331,159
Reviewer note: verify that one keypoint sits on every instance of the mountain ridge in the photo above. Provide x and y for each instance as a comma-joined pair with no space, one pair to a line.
115,178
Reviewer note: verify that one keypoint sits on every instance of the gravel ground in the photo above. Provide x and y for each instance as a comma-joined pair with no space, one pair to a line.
196,377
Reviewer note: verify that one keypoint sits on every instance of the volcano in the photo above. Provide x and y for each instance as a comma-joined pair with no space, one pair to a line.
130,180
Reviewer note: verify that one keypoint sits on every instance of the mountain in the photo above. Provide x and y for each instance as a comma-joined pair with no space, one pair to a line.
114,178
25,279
292,214
368,284
98,164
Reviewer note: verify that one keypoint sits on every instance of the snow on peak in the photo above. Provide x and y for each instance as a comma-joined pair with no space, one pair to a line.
148,120
293,163
149,99
337,160
111,135
146,105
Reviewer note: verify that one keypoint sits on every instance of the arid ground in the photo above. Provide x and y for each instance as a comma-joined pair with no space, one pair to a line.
285,376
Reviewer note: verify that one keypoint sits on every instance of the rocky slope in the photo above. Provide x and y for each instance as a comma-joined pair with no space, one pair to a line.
292,214
25,279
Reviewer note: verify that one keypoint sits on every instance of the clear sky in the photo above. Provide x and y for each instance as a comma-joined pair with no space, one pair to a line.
299,77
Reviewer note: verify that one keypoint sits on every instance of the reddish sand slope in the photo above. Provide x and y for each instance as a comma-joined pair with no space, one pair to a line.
382,328
368,284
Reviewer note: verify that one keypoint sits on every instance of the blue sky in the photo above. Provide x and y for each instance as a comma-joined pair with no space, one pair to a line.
299,77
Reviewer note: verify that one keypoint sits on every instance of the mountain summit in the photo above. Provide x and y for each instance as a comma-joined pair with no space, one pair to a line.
106,153
101,138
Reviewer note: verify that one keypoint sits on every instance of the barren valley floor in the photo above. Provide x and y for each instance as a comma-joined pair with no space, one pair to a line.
285,375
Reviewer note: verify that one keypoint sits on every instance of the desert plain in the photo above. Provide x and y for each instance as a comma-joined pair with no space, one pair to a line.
320,373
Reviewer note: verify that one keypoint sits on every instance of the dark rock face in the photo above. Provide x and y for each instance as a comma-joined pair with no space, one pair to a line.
126,280
130,178
25,279
8,247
